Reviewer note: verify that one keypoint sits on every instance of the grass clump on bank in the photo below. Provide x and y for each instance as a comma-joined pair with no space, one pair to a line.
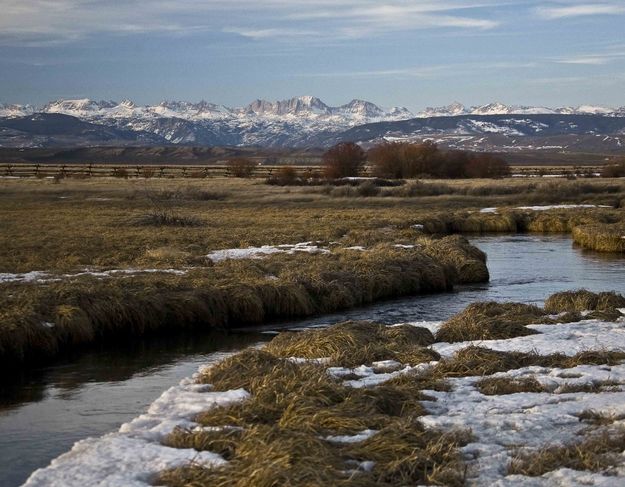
478,361
285,433
601,237
499,386
583,300
490,321
598,452
354,343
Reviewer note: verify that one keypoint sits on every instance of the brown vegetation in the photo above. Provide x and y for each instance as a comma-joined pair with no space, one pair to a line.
598,451
280,435
583,300
408,160
490,321
241,167
343,160
601,237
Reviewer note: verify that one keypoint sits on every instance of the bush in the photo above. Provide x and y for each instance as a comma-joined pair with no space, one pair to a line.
614,170
368,188
284,176
240,167
343,160
408,160
120,172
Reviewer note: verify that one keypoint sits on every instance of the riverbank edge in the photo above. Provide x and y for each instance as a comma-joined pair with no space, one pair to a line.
46,321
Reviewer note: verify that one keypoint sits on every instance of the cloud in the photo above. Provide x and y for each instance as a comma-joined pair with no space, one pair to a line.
583,10
586,60
67,20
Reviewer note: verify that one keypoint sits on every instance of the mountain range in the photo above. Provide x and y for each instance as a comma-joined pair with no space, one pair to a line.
307,121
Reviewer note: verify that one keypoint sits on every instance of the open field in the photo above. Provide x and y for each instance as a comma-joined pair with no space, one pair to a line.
83,260
359,403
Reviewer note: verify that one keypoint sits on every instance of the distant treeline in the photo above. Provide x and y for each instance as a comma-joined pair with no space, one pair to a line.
405,160
399,160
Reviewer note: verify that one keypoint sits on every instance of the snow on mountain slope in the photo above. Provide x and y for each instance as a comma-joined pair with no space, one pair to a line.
308,121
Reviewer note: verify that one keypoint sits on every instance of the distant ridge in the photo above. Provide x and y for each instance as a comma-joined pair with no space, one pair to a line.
306,121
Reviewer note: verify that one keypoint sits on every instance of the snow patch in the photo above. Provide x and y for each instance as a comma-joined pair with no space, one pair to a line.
357,438
133,456
260,252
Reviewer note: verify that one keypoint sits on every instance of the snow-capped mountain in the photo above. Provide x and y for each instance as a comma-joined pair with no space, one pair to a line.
296,122
457,109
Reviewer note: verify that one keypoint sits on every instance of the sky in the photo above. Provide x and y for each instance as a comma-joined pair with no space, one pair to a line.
415,53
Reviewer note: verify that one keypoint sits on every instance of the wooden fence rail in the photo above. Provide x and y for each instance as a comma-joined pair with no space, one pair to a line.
21,170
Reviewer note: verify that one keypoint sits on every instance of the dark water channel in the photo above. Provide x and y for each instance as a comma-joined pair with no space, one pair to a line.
47,410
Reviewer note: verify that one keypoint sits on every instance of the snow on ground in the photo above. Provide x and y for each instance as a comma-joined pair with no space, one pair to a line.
533,420
42,276
559,207
546,208
569,338
260,252
133,456
503,423
362,436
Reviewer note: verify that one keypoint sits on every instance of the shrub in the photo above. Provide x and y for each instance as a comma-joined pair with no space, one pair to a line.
343,160
368,188
240,167
614,170
120,172
284,176
408,160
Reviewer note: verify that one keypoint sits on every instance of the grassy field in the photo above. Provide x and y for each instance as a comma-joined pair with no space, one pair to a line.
147,242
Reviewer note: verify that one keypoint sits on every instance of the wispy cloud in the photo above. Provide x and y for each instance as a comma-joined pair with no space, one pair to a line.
582,10
66,20
423,72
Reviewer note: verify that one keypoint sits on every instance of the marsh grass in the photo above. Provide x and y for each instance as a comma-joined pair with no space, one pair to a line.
498,386
601,237
597,452
583,300
490,321
478,361
225,295
599,418
593,387
354,343
276,437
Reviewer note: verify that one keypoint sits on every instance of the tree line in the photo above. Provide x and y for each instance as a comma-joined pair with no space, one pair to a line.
400,160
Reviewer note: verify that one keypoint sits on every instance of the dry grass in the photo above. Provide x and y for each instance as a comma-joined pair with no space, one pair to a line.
227,294
497,386
354,343
408,454
583,300
598,452
593,387
477,361
598,418
75,224
490,321
277,436
601,237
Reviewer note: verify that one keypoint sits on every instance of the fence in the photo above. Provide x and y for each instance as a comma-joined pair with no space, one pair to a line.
135,171
198,171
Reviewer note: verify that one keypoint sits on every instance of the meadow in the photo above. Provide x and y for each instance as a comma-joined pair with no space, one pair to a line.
85,260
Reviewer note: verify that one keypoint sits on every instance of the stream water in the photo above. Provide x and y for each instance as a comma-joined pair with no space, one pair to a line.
44,412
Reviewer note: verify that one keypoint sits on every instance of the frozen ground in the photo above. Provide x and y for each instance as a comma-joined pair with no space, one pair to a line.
500,424
42,276
259,252
546,208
